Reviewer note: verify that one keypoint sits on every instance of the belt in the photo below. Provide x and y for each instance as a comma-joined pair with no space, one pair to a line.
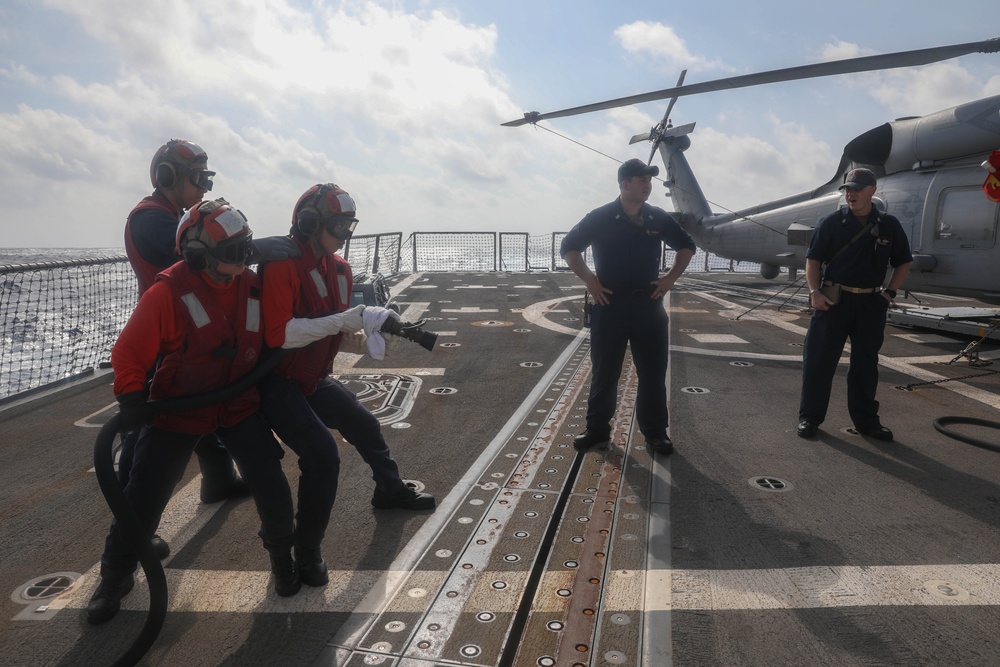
852,290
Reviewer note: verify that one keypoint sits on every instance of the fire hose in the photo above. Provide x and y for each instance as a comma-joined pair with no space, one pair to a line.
129,522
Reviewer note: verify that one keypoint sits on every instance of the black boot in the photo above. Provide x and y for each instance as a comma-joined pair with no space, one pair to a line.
589,438
407,498
312,567
287,581
107,599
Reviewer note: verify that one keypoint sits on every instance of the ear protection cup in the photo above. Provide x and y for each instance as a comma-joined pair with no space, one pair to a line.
308,220
173,160
318,203
197,258
165,174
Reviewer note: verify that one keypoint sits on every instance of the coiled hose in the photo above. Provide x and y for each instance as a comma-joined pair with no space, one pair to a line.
128,522
942,422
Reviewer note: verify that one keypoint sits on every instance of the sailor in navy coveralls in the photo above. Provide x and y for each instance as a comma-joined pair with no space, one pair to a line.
627,237
856,244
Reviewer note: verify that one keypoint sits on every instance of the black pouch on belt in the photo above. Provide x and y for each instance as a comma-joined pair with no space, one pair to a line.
831,292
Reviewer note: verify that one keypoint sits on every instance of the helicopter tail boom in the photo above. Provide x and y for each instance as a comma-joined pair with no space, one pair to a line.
688,199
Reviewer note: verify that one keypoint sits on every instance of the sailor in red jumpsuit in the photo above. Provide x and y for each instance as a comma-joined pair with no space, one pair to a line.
306,303
200,326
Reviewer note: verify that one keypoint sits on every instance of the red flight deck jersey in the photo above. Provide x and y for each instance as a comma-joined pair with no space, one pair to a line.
305,287
199,336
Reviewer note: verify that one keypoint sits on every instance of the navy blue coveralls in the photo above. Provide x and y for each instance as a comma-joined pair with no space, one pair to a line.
627,261
159,461
304,423
858,317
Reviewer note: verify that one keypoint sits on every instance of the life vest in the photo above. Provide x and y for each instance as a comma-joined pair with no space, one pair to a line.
320,295
145,271
213,353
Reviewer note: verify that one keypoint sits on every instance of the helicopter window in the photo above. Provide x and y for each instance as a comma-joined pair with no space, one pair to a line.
966,215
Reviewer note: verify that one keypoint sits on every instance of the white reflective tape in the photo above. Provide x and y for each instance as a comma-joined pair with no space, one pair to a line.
347,204
320,284
196,310
344,297
253,315
232,221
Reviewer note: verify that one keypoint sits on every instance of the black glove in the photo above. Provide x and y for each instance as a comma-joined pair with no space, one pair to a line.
134,410
274,248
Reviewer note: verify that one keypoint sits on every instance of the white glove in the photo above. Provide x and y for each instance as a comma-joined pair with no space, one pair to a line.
352,320
391,343
301,331
354,343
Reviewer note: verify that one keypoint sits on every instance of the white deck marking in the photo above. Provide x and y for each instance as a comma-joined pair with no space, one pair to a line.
836,586
536,312
826,587
924,338
718,339
86,423
470,309
657,629
737,354
905,365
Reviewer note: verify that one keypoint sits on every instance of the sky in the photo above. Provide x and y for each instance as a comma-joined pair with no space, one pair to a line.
401,103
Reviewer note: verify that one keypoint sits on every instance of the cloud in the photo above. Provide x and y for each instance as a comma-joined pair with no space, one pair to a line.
284,97
661,43
927,89
841,50
913,91
737,170
402,108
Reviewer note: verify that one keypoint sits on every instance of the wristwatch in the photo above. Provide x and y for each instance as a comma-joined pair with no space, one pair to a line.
814,290
890,292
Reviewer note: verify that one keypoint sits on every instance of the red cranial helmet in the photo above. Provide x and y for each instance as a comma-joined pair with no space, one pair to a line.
179,159
212,232
325,206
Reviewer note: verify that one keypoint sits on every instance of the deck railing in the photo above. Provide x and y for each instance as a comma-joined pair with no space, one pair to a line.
58,320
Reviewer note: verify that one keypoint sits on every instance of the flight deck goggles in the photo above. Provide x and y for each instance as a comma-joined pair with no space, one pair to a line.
340,227
237,250
201,178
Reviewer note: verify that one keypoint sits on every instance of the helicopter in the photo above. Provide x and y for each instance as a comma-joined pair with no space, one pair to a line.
930,173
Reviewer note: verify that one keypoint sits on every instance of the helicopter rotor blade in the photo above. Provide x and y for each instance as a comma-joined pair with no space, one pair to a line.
657,133
670,106
847,66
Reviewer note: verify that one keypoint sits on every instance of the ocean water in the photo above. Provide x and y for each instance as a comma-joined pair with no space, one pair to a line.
57,321
32,255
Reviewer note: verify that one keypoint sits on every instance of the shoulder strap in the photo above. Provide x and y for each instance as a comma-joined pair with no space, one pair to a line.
872,220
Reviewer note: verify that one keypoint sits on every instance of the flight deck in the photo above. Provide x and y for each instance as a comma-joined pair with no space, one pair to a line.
747,546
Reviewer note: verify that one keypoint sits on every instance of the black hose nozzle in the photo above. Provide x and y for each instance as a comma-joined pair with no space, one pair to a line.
412,331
